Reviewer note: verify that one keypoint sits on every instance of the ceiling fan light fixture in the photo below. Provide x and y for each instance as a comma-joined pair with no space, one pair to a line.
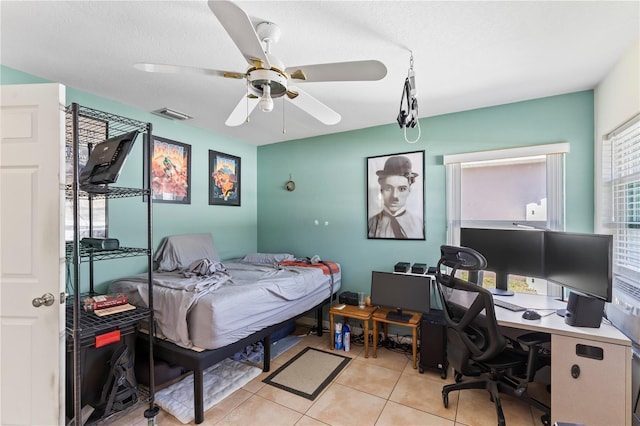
171,114
266,103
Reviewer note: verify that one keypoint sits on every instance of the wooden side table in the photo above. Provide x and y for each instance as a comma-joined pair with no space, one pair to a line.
350,311
380,316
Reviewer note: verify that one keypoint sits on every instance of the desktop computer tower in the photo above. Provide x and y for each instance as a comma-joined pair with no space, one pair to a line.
433,342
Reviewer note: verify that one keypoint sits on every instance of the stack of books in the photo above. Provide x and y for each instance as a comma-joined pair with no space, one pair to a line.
106,304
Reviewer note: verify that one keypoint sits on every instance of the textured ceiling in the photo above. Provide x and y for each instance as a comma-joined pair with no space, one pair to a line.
466,54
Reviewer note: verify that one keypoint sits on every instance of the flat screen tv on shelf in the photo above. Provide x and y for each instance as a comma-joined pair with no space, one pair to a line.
107,159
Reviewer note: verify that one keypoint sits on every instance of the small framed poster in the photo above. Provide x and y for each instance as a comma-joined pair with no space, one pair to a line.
170,171
224,179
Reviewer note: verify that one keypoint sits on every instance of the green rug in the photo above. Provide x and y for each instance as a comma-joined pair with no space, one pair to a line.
308,373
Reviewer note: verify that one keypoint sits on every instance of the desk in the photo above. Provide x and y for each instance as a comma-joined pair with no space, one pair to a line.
601,394
380,316
355,312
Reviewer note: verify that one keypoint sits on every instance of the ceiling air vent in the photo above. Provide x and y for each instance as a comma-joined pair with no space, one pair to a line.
171,114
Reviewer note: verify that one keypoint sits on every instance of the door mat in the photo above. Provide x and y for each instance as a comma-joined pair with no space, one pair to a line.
308,373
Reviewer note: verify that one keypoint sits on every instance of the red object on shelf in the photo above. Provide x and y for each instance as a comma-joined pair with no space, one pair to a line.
107,338
103,301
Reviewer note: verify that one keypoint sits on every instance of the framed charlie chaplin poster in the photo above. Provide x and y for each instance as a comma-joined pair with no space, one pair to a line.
395,196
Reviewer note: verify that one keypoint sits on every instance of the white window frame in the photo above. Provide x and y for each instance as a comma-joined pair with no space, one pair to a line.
555,159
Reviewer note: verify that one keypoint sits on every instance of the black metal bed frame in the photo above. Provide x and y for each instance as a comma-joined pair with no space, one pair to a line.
199,361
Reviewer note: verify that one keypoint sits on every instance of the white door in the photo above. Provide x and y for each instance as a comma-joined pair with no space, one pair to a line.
31,254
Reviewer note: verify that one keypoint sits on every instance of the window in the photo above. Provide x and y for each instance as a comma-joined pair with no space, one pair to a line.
621,178
506,189
520,184
90,130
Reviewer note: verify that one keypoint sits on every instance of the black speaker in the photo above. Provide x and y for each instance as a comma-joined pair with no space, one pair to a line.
419,268
348,298
433,342
402,267
584,311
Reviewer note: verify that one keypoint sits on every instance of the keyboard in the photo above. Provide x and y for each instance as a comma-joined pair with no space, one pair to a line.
510,306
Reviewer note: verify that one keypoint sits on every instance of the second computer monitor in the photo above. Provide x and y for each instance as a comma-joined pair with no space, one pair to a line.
581,262
508,251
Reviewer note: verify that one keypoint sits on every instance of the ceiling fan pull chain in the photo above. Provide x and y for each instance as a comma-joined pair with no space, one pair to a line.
247,102
284,127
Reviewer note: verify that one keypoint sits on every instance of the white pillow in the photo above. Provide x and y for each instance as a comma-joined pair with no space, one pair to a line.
177,252
267,257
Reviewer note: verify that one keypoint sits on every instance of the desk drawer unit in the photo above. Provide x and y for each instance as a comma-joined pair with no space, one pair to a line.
590,382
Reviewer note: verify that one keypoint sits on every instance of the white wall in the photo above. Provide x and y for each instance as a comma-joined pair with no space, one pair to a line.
616,100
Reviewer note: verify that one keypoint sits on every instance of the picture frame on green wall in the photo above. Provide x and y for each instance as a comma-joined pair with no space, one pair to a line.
170,171
224,179
395,196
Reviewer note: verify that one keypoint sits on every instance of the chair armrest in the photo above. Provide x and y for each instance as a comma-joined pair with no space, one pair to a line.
533,341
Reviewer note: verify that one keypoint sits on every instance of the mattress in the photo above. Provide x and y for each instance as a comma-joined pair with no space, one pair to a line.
255,296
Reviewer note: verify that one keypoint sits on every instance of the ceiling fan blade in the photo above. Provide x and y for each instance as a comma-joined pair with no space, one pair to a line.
339,71
179,69
242,111
238,25
312,106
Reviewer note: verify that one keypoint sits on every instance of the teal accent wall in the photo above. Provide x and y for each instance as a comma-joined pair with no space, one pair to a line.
234,229
329,172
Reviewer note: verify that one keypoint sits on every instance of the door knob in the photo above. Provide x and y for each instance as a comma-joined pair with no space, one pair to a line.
46,300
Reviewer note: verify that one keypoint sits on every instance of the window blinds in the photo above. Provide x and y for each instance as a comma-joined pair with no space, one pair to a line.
621,173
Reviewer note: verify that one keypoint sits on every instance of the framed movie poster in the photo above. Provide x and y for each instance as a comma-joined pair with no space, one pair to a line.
224,179
395,196
170,171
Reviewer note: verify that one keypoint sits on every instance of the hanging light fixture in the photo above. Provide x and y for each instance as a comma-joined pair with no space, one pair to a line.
266,103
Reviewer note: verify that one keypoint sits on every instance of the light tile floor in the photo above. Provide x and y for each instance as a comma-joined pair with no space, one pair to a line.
370,391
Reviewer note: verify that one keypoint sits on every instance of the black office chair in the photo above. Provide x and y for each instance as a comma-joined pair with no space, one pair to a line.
483,358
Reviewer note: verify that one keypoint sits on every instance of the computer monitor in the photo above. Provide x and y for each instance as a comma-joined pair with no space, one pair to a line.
580,262
106,160
399,292
508,251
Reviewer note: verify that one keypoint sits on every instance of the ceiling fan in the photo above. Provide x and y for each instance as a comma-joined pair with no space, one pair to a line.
267,78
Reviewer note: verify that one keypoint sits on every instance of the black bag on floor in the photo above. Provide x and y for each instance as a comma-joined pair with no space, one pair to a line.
121,389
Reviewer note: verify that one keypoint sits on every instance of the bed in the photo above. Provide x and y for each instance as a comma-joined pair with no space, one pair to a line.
206,310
